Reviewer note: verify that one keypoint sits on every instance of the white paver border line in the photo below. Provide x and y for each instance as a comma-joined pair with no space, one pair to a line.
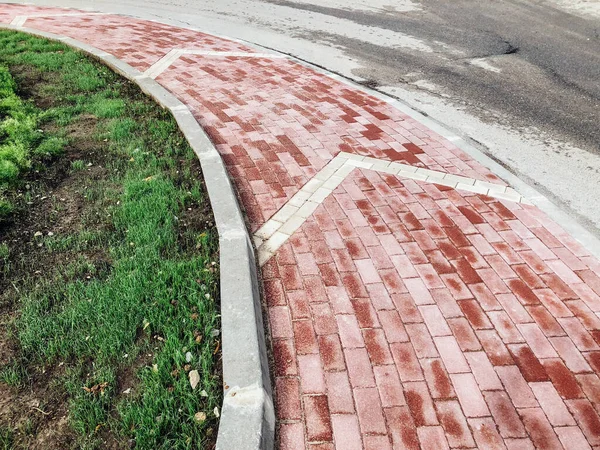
247,415
291,216
165,62
570,223
19,21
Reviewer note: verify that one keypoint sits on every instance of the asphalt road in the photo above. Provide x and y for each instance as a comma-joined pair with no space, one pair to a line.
519,77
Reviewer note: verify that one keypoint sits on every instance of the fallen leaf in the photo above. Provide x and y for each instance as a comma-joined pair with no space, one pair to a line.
194,378
216,411
203,393
200,417
96,388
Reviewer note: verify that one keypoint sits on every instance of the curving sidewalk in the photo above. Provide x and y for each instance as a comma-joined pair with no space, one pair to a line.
413,298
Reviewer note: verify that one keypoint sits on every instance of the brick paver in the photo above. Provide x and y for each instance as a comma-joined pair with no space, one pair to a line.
401,313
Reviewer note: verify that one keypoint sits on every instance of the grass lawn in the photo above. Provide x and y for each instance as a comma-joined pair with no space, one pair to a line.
108,262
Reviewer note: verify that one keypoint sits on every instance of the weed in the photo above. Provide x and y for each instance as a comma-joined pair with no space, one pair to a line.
52,146
77,165
6,208
7,436
4,253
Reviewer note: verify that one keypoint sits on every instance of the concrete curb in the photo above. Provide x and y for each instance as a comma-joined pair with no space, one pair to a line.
247,416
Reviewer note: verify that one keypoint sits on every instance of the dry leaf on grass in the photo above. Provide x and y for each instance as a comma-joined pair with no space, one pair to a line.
96,388
194,378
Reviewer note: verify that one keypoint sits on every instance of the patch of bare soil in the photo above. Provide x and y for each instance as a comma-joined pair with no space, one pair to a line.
38,412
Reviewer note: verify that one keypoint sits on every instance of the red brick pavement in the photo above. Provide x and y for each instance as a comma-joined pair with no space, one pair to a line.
9,11
402,314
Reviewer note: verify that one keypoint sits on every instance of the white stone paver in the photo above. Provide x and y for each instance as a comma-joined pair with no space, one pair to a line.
165,62
19,21
277,230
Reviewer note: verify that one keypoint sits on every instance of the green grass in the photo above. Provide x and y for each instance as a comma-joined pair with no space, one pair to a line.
6,438
77,165
150,299
4,252
12,375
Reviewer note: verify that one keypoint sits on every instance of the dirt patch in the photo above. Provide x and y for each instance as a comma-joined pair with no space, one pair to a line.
30,82
193,220
38,413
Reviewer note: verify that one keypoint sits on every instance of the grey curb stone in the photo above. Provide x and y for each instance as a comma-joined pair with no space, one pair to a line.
247,416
